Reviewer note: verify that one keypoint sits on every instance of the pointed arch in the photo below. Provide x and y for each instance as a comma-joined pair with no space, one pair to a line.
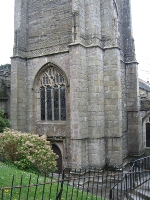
50,92
46,66
57,150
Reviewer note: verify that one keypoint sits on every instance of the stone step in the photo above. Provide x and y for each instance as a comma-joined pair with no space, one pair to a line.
139,194
143,193
132,197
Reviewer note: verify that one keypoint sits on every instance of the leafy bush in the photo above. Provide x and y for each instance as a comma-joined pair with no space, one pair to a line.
6,66
3,121
27,151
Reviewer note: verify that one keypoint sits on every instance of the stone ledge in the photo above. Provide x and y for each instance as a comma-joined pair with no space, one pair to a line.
51,122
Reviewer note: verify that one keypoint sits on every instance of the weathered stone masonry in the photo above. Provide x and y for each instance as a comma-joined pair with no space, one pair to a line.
91,43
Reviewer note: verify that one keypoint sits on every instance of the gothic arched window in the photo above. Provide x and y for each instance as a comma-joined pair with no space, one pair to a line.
52,95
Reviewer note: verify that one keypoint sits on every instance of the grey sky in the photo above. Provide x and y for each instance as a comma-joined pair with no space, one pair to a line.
141,33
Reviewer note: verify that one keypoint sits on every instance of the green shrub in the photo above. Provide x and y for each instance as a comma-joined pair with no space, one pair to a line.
4,122
27,151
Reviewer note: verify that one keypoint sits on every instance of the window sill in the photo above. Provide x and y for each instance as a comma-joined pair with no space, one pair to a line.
51,122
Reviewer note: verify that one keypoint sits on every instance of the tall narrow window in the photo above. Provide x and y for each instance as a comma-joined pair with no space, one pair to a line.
148,135
53,95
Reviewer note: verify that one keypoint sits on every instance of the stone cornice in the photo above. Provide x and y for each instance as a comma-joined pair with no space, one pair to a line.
130,62
42,52
55,50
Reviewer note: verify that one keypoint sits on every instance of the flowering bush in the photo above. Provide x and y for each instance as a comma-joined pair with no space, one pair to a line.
27,151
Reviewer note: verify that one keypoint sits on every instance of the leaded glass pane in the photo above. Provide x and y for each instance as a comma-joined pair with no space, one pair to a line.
61,79
49,103
52,72
47,80
57,78
42,103
148,135
53,102
44,80
63,102
56,103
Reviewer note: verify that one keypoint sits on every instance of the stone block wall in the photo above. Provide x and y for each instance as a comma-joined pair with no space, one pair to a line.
49,23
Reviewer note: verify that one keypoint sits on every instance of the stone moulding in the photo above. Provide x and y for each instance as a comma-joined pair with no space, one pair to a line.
47,51
41,52
87,42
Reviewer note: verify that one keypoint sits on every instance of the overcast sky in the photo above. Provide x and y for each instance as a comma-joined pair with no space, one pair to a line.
141,33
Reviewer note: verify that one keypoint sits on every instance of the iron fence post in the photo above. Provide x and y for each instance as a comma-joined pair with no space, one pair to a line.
61,187
131,183
126,186
110,194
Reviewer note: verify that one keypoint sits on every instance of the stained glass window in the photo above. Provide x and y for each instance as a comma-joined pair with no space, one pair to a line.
53,95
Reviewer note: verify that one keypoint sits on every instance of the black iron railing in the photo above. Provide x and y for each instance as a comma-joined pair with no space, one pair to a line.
87,184
134,184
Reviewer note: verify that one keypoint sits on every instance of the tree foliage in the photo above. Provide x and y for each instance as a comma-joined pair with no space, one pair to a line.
8,66
4,122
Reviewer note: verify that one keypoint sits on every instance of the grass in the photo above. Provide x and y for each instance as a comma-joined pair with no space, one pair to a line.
9,175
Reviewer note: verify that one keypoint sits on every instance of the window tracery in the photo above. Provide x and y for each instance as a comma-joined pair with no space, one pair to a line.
52,95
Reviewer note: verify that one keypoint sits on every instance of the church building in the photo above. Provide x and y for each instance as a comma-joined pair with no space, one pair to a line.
74,79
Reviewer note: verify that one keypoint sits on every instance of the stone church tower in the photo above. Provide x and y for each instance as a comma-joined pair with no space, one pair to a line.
74,79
